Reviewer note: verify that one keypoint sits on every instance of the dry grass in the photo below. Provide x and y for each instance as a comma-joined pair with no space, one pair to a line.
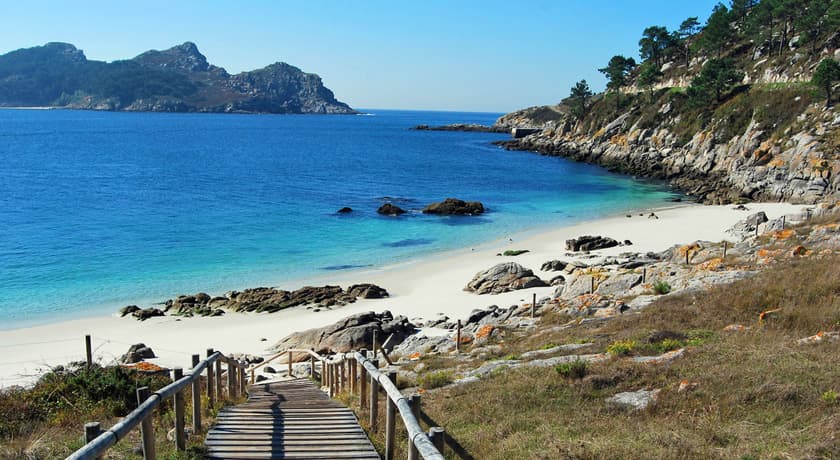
758,393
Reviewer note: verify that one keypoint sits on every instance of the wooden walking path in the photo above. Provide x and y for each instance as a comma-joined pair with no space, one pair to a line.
288,420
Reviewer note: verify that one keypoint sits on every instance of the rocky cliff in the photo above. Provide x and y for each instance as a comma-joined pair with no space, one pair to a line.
178,79
767,136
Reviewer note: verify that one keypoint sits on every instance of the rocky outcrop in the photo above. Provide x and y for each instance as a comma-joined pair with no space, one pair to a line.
389,209
504,277
590,243
178,79
270,300
136,353
351,333
454,206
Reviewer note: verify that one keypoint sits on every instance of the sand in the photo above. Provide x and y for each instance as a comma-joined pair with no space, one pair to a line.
420,289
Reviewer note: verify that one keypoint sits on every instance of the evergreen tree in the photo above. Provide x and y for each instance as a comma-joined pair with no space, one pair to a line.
716,78
739,9
826,76
579,99
718,31
655,42
649,75
812,22
688,29
617,70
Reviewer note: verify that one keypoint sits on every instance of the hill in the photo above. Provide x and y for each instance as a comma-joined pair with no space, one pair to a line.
178,79
727,112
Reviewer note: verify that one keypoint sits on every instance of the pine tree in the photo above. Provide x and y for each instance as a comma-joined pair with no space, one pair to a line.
579,99
826,76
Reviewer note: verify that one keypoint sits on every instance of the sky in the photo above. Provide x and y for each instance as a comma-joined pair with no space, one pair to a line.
482,56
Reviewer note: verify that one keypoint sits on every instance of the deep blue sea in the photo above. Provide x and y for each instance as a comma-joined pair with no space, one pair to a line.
99,210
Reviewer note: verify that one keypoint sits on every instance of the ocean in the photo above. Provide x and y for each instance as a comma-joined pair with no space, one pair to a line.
99,210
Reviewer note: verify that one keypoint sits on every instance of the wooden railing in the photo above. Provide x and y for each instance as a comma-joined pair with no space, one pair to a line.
98,442
356,373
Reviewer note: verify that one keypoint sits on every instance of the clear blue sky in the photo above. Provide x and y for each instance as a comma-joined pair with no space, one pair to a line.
485,55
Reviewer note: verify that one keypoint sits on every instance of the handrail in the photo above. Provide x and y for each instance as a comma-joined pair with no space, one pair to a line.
416,435
101,443
293,350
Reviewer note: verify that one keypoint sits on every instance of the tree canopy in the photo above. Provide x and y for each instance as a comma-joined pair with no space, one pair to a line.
716,78
579,99
617,71
826,76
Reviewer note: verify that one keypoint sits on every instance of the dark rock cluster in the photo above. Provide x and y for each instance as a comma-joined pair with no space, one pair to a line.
351,333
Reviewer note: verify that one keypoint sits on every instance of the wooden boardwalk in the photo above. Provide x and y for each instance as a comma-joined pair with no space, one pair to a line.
292,419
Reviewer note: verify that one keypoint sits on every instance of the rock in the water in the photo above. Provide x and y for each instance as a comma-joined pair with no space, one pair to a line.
136,353
389,209
504,277
553,266
454,206
633,400
345,210
350,333
590,243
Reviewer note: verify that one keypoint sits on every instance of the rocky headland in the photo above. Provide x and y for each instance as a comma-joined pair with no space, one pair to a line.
178,79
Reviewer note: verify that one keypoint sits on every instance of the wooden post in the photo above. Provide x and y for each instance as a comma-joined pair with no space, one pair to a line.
374,344
180,439
231,380
644,274
354,383
290,363
342,377
756,229
218,377
323,374
311,367
533,304
725,244
783,222
147,433
92,431
592,284
243,383
210,396
253,376
438,437
374,400
362,382
457,338
196,397
390,420
414,402
88,351
333,384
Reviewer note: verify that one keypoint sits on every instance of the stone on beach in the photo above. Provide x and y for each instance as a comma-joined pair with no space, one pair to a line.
590,243
504,277
136,353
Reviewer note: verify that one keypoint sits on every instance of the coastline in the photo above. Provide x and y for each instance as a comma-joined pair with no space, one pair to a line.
421,288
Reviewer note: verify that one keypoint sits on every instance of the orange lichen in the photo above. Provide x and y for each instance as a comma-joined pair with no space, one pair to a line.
143,366
777,163
711,264
414,356
766,313
484,331
783,234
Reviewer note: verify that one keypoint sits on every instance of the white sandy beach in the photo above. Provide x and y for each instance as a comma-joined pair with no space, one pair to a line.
422,289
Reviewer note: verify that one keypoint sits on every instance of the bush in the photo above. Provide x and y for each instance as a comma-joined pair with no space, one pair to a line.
830,397
574,369
622,347
669,345
436,379
661,287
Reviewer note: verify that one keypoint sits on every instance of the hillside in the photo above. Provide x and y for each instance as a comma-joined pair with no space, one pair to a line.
178,79
726,113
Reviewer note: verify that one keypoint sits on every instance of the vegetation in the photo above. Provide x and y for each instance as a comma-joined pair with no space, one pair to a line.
436,379
661,287
573,369
826,76
514,252
579,99
716,79
617,71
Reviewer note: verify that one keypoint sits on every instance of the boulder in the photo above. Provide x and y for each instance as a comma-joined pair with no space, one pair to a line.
389,209
619,284
136,353
553,266
128,310
504,277
147,313
456,207
748,225
345,210
590,243
633,400
350,333
367,291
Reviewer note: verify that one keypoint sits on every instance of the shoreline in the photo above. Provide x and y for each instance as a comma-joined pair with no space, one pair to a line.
421,288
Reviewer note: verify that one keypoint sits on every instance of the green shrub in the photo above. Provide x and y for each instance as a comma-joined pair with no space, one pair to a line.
435,379
830,397
669,345
661,287
622,347
573,369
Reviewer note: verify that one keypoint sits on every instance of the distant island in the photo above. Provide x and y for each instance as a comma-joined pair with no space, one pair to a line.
178,79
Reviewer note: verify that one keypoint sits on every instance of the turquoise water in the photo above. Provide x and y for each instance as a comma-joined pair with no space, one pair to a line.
99,210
